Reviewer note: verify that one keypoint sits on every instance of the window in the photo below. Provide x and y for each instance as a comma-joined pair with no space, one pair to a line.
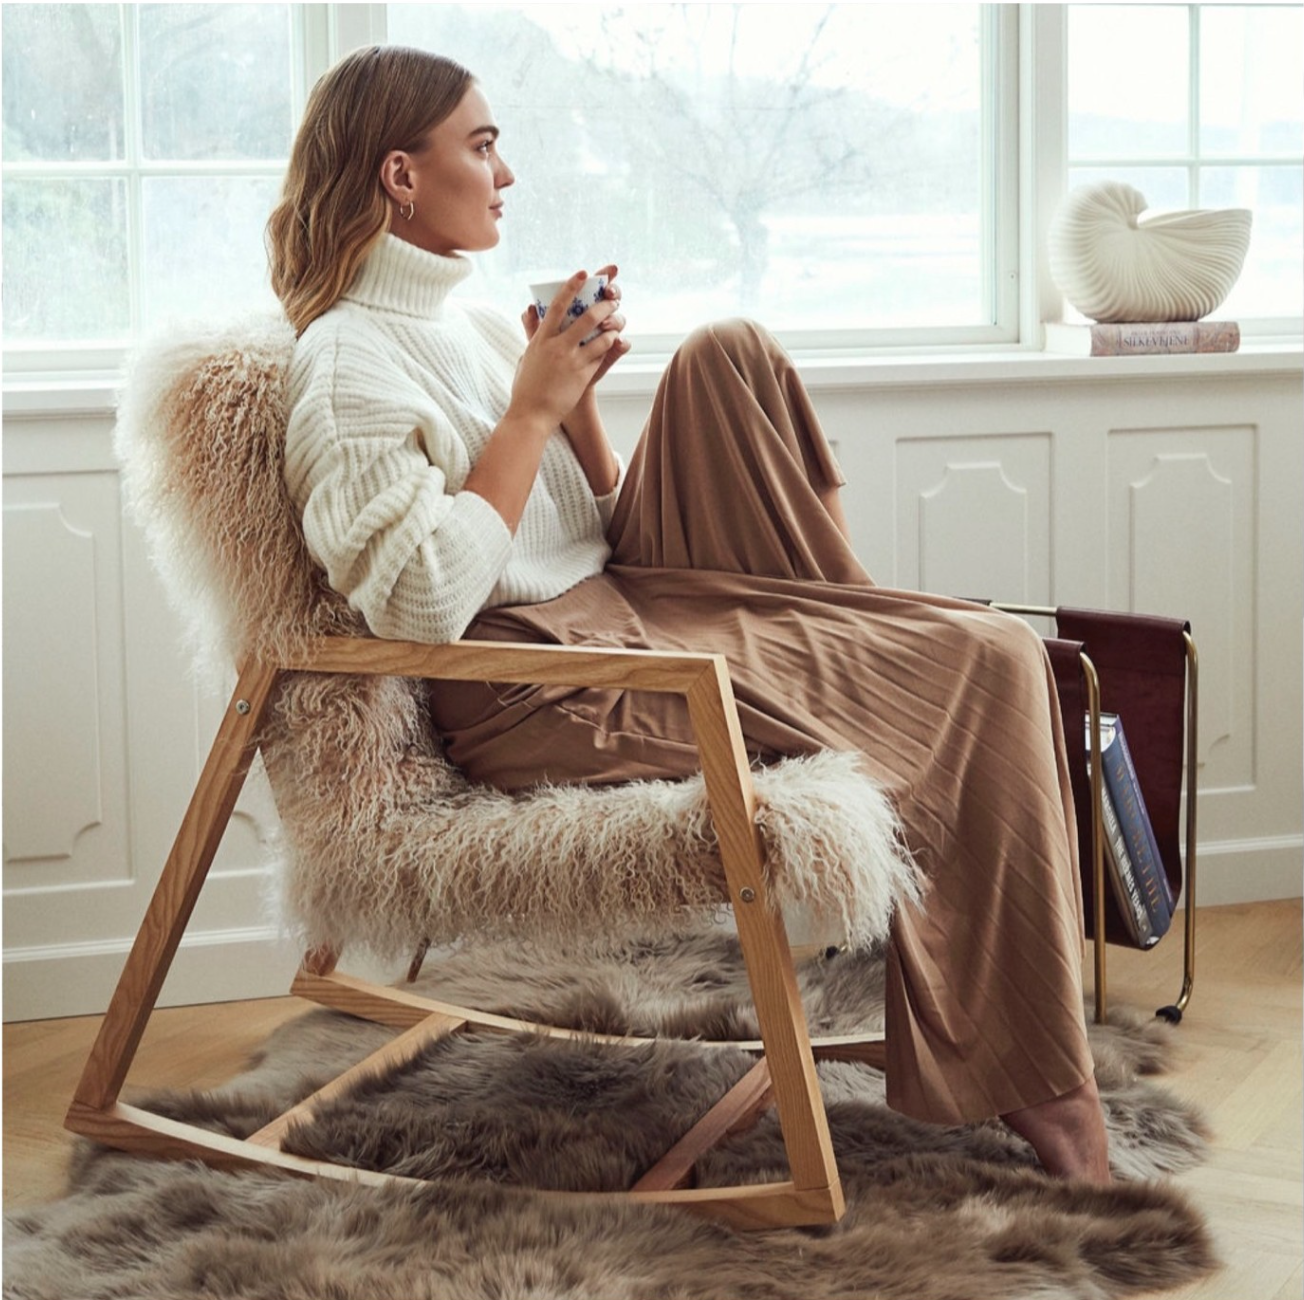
848,172
820,166
143,149
1217,122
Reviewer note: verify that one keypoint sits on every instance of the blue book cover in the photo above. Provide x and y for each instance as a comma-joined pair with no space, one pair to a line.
1118,862
1136,915
1130,805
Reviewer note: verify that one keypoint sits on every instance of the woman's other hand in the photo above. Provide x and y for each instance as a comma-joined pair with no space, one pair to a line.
582,421
559,369
554,387
615,323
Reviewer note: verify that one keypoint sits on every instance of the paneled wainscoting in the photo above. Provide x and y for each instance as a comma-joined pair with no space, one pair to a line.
1169,485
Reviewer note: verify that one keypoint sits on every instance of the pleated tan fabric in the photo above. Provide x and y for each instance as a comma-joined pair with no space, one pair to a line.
721,543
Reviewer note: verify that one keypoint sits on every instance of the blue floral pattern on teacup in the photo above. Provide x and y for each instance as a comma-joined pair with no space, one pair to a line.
579,305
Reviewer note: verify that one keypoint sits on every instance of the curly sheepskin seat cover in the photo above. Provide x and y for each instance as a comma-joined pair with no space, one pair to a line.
385,843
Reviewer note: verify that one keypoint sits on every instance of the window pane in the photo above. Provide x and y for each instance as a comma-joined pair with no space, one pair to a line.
1166,189
817,165
65,264
1128,72
1251,72
203,239
62,82
215,81
1272,283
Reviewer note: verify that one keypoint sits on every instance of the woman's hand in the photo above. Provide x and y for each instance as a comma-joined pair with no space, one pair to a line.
614,323
553,386
551,338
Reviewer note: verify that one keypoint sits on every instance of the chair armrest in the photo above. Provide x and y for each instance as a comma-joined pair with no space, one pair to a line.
478,661
703,680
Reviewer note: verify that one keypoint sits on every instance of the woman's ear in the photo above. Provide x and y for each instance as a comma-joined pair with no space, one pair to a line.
396,177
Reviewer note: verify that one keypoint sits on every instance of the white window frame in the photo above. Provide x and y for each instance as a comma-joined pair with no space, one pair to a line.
320,35
999,201
1025,170
1192,160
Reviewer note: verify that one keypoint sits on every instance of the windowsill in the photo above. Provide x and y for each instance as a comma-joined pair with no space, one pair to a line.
977,366
54,395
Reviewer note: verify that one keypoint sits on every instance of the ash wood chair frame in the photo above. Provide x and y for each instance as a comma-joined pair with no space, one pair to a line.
784,1075
1172,1012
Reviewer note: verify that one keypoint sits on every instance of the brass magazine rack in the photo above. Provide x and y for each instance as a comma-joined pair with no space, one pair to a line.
1146,670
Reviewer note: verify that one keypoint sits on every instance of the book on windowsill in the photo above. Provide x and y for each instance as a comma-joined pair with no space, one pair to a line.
1146,338
1131,853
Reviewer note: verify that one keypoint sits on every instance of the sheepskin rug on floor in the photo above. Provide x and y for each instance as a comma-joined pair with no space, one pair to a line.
933,1213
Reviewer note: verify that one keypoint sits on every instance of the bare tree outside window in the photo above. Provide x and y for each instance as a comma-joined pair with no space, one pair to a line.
747,143
819,165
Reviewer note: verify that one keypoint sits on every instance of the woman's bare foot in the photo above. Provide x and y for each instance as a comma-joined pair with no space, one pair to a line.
1068,1134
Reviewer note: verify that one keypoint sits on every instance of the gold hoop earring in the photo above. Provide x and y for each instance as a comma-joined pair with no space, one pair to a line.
411,207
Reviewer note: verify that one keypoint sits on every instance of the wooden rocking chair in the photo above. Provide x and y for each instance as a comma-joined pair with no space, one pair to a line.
785,1070
215,406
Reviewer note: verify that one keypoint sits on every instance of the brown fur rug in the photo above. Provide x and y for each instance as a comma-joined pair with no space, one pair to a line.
933,1214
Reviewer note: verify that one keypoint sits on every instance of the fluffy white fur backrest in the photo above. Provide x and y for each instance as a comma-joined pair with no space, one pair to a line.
387,844
201,440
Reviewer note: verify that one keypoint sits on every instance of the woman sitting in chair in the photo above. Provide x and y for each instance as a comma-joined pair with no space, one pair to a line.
455,480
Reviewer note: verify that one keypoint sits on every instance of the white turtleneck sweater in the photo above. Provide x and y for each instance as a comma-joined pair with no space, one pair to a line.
394,392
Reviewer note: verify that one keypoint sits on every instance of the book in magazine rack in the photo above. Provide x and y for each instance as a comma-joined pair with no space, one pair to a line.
1146,670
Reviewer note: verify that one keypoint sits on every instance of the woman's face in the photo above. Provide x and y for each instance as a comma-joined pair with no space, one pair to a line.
454,182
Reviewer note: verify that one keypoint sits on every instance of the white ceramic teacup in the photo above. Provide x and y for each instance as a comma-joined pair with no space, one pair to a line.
544,291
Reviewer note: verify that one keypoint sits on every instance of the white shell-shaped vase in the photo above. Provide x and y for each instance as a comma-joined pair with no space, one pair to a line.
1173,267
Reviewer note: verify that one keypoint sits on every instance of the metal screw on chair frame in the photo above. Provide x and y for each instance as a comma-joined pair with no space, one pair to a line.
242,707
747,894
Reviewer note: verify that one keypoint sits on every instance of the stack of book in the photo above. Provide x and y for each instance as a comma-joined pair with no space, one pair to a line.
1145,898
1146,338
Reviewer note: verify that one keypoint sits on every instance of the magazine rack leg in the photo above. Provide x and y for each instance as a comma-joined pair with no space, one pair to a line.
1097,836
1173,1012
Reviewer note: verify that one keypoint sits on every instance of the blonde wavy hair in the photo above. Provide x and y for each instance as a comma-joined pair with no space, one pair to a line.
333,207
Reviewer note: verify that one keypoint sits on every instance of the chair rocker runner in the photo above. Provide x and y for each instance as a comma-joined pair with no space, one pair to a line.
785,1072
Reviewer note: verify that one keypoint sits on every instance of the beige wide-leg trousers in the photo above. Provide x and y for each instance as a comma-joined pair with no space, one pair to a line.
721,543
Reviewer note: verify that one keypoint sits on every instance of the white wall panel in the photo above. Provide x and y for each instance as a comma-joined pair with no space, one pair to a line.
65,805
1182,513
105,732
1067,483
973,516
52,789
